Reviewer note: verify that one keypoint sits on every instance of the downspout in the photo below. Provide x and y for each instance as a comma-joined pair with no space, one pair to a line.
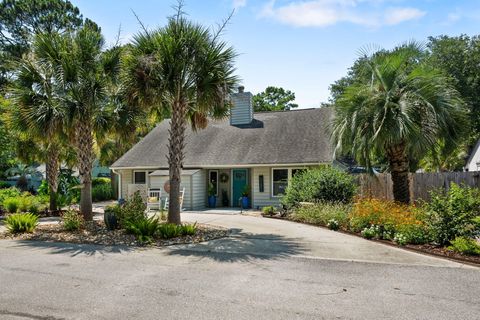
119,183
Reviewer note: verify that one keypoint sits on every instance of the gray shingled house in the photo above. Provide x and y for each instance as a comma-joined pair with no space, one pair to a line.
257,151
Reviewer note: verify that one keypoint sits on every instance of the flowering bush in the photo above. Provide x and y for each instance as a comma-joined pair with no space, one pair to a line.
333,224
388,214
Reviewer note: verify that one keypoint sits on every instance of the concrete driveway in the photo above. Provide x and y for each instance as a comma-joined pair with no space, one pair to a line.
267,269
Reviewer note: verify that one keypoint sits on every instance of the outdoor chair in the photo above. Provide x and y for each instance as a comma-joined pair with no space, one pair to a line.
154,200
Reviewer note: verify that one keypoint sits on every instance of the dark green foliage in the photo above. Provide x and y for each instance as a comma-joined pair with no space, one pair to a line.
189,229
170,230
21,19
144,228
274,99
465,245
459,57
4,185
102,192
72,220
133,209
323,184
453,214
21,222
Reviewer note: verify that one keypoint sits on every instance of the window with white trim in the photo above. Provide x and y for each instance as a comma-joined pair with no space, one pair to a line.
279,181
140,177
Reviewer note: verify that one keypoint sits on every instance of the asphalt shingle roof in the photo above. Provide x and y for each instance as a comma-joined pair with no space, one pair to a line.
298,136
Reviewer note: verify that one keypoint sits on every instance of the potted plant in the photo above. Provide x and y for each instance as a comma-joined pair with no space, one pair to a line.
212,198
245,193
225,201
110,217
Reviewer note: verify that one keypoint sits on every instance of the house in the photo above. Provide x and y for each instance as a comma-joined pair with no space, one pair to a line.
473,161
259,152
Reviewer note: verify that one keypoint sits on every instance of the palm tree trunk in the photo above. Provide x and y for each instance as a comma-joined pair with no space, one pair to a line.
175,159
52,169
84,146
399,169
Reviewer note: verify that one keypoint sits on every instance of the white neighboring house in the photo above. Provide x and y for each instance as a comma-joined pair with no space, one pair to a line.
473,162
259,152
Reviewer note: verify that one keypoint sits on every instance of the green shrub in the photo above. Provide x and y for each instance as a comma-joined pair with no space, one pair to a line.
43,188
465,245
144,229
268,210
133,209
8,193
169,230
453,214
24,203
400,238
414,233
100,181
102,192
333,224
11,204
21,222
322,213
189,229
324,184
72,220
4,185
372,232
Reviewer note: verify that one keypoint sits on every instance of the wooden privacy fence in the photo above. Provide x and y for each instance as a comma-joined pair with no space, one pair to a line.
380,185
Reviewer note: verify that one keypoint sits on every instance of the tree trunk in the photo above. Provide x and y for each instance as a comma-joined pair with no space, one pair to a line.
175,159
52,170
84,146
399,167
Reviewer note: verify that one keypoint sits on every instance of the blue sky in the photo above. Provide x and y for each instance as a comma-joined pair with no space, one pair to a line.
303,46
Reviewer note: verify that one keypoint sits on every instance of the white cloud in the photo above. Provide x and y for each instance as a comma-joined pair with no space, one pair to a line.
322,13
237,4
398,15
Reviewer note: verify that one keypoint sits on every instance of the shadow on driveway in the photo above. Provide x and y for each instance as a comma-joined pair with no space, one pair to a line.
74,249
242,246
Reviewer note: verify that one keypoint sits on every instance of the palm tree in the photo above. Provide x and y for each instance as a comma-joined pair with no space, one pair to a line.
36,113
186,69
87,77
400,110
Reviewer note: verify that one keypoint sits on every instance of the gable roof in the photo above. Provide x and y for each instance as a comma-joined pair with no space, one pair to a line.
286,137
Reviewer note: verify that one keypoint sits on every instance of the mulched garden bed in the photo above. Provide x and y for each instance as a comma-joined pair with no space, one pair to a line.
428,249
96,233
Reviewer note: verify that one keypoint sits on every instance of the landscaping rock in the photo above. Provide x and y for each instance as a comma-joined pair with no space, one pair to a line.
95,232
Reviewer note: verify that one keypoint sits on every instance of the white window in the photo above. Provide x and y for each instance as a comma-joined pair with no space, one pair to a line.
213,179
140,177
280,179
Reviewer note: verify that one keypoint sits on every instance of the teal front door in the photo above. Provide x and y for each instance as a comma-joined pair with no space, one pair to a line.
239,182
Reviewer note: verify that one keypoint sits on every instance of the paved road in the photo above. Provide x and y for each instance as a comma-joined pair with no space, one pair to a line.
268,269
